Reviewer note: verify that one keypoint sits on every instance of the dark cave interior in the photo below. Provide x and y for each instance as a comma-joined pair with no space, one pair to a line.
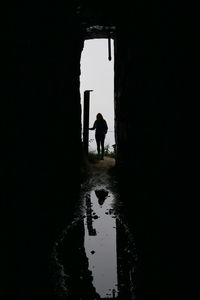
41,122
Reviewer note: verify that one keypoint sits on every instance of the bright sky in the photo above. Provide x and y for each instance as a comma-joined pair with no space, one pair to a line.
97,74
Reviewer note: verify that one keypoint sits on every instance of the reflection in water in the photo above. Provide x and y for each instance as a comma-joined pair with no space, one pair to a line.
100,242
101,195
95,256
91,230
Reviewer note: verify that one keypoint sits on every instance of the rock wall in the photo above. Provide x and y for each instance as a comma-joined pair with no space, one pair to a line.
152,65
40,141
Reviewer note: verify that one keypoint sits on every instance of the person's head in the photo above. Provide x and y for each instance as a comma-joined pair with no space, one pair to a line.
99,116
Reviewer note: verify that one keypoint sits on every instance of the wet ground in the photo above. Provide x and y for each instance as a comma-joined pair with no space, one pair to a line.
95,257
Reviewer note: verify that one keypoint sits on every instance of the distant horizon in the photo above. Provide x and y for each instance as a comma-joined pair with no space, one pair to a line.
97,74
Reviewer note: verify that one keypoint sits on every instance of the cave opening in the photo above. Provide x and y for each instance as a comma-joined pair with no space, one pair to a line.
97,77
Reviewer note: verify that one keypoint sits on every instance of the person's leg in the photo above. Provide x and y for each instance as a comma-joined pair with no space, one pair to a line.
102,146
98,144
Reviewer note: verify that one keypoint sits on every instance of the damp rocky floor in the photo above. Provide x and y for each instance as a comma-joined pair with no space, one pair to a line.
95,257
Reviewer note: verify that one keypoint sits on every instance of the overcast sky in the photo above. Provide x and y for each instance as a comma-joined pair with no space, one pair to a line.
97,74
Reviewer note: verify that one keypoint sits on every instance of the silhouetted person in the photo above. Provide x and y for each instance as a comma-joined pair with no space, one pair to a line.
101,129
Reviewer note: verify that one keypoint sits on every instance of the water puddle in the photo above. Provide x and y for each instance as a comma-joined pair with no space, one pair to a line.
95,256
100,242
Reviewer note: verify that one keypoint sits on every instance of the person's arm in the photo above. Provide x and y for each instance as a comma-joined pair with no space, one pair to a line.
94,126
106,127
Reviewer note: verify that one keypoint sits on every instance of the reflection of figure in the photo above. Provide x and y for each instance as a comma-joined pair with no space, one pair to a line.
101,195
101,129
91,230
